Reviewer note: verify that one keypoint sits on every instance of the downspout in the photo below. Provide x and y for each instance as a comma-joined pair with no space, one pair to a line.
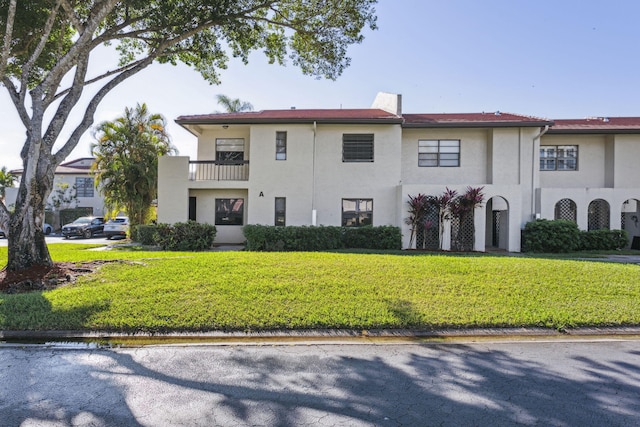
314,213
536,149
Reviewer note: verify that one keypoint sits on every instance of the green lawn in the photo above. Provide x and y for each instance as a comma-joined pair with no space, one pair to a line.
165,291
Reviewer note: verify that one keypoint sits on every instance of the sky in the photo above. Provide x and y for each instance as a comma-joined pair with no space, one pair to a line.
554,59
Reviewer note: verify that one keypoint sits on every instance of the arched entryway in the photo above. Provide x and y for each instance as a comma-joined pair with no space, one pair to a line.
630,221
497,223
599,215
566,209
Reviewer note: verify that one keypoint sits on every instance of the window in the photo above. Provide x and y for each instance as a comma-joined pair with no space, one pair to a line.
357,147
230,150
229,211
559,157
281,146
281,211
566,209
357,212
84,187
438,152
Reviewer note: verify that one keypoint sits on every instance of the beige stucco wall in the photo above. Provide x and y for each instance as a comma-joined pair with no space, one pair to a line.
473,157
627,161
591,162
173,189
207,140
377,180
291,178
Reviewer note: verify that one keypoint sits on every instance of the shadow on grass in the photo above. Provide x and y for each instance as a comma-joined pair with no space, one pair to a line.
32,311
441,384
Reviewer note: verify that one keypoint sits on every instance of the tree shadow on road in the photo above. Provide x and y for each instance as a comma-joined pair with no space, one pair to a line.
433,384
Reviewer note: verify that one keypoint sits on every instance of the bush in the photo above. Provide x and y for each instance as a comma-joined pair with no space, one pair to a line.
384,237
145,234
303,238
320,238
603,240
186,236
555,236
182,236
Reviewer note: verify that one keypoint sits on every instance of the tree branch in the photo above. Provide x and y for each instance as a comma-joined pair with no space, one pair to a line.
71,14
46,32
6,44
100,77
81,45
87,119
17,102
73,96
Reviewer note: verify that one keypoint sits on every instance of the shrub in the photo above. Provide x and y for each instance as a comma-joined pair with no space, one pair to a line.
182,236
186,236
302,238
595,240
320,238
544,235
145,234
384,237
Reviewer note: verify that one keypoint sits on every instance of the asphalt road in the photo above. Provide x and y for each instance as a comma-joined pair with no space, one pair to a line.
59,239
553,383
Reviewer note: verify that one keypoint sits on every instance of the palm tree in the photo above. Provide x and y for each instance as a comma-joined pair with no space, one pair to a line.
6,180
126,166
233,105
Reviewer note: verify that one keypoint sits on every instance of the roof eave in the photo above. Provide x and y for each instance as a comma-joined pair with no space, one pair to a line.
477,125
553,131
383,121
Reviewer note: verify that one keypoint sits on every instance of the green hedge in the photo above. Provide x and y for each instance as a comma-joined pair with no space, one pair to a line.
556,236
145,234
321,238
603,240
182,236
543,235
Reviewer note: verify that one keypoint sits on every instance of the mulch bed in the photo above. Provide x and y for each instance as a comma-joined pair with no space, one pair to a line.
43,278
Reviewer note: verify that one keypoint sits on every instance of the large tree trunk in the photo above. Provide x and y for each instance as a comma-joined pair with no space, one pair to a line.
27,246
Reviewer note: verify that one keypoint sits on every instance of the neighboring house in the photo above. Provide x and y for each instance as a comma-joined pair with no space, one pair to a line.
76,174
357,167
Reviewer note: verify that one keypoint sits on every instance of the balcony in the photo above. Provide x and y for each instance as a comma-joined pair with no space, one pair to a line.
214,170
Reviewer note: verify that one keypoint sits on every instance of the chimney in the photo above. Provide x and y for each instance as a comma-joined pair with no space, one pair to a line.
389,102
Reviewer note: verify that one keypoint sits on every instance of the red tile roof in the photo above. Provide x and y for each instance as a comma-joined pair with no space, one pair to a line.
496,119
597,125
294,116
80,166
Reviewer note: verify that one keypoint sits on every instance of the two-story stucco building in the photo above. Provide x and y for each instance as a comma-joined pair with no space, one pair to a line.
76,181
355,167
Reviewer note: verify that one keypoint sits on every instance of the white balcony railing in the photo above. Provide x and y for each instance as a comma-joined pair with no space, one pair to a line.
213,170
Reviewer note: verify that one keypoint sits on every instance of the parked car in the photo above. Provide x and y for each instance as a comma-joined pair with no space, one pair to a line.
118,226
48,229
85,226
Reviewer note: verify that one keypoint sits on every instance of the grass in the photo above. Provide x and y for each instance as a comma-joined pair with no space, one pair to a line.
172,291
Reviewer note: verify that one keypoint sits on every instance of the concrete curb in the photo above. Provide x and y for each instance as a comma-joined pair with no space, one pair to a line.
321,336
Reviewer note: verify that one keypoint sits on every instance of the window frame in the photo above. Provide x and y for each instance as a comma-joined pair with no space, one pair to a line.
229,156
358,215
85,190
437,156
557,160
231,204
281,145
354,146
280,213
